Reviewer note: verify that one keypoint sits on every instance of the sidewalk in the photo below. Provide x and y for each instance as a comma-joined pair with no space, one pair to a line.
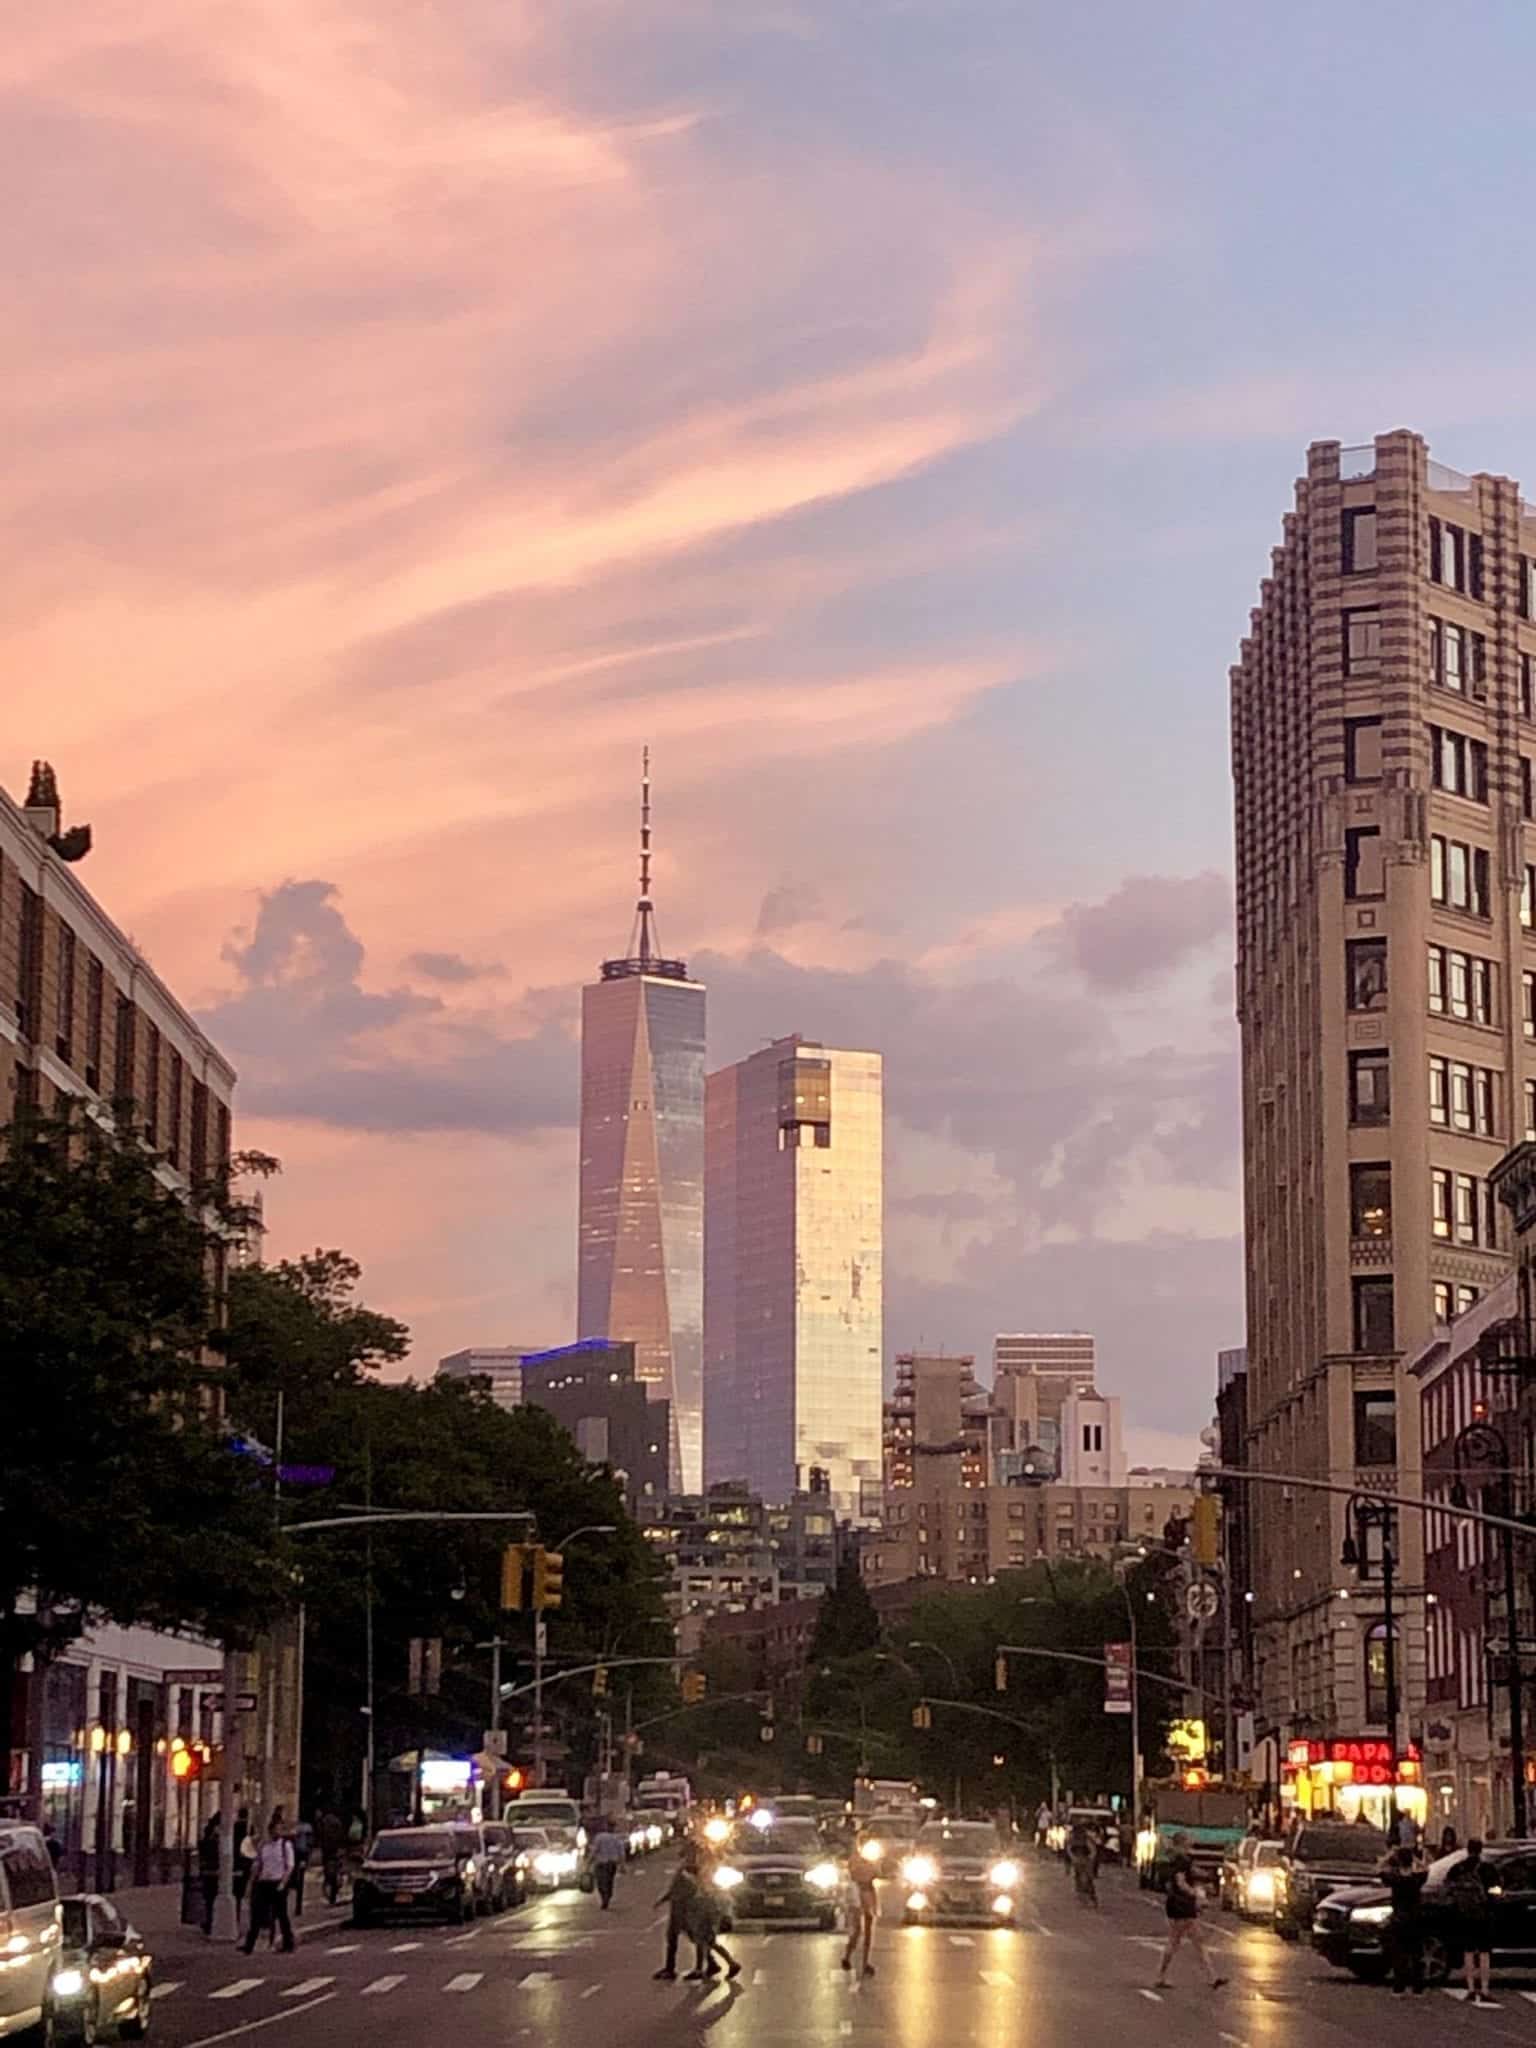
155,1910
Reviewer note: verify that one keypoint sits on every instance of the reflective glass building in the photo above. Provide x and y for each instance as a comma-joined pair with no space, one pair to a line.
641,1258
793,1279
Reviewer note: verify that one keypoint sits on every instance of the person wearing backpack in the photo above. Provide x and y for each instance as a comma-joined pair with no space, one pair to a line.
1467,1890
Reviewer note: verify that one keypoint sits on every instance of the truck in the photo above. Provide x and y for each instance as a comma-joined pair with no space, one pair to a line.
1214,1816
664,1797
885,1795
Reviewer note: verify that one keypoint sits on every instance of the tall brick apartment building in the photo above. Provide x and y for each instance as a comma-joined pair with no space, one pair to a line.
82,1013
1383,740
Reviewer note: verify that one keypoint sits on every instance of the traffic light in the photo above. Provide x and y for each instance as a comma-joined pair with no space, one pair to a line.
695,1685
548,1578
1000,1674
1205,1529
186,1761
600,1680
514,1566
814,1745
922,1715
514,1780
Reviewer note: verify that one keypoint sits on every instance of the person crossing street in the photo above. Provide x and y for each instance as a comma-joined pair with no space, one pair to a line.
271,1875
608,1853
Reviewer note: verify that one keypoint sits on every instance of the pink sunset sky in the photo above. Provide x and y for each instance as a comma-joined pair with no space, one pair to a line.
413,407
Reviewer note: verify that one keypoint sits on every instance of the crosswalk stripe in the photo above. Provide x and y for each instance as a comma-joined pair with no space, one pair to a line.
994,1977
466,1981
537,1977
308,1988
165,1990
1529,1997
344,1948
592,1990
379,1986
238,1988
404,1948
1155,1996
961,1941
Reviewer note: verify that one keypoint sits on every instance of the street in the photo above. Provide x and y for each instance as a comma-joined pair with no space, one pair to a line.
562,1969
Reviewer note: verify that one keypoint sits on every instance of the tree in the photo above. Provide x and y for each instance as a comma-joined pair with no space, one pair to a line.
118,1494
846,1621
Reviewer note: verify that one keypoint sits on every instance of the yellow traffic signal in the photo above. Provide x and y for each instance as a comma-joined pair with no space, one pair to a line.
922,1715
600,1680
548,1578
695,1685
1205,1529
514,1566
1000,1674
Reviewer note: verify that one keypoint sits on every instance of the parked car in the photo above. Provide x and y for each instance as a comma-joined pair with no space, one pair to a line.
1249,1878
560,1817
100,1987
959,1870
780,1872
434,1870
1324,1857
1348,1927
29,1928
506,1884
545,1863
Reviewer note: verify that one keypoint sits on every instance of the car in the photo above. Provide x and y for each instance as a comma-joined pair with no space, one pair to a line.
540,1863
560,1818
435,1870
29,1928
100,1989
886,1845
507,1885
795,1806
1325,1856
1349,1926
1249,1874
959,1871
779,1870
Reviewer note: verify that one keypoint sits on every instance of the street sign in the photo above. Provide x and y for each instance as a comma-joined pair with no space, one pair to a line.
1117,1678
765,1733
494,1741
1202,1602
245,1702
540,1636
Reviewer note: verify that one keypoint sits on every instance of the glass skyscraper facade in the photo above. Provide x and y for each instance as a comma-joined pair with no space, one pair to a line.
793,1277
641,1254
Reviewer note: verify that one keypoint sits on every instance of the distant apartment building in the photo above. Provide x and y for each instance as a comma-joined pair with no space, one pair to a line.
793,1281
1383,741
729,1552
1033,1373
592,1392
499,1365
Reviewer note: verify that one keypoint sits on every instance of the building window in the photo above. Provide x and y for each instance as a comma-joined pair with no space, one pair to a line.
1376,1674
1443,1309
174,1109
1528,686
1460,985
1439,1091
1373,1313
1458,659
1440,1201
95,999
1527,788
1370,1088
1464,1188
1455,557
1461,1096
1359,540
1528,1089
1458,764
1458,875
1364,874
1528,1003
1525,593
1362,750
1527,895
64,1038
29,997
1362,640
125,1051
1376,1428
1366,973
1467,1299
1370,1200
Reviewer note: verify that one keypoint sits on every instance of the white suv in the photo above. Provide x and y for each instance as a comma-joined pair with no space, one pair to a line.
29,1928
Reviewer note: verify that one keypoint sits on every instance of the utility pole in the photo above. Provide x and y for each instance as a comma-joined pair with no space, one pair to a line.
495,1722
540,1640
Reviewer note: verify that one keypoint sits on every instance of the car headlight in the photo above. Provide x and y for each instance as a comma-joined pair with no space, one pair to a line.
716,1830
1261,1888
68,1983
822,1875
917,1902
1005,1875
1372,1916
1002,1903
727,1877
872,1852
547,1863
919,1870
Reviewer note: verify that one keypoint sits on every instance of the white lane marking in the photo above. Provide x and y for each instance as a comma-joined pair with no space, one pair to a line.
237,1988
466,1982
379,1986
537,1977
1155,1996
994,1977
404,1948
253,2026
455,1940
1235,2040
344,1948
652,1925
761,1976
1529,1997
309,1987
165,1990
592,1990
1041,1928
961,1941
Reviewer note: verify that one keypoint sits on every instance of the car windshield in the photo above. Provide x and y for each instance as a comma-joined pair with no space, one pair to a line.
530,1838
784,1838
1266,1852
565,1815
424,1845
971,1838
1345,1847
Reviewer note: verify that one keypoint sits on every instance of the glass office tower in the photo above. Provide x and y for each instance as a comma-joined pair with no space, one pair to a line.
793,1284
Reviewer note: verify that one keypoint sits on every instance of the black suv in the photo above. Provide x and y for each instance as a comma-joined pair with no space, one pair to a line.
1349,1927
1324,1856
437,1870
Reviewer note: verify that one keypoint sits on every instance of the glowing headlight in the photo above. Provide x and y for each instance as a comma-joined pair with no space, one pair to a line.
1146,1847
1261,1888
69,1984
917,1902
1372,1916
823,1876
716,1830
547,1863
762,1818
872,1851
919,1870
654,1835
727,1877
1005,1876
1002,1904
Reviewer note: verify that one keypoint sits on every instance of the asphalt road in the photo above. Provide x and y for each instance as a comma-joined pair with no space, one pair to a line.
561,1969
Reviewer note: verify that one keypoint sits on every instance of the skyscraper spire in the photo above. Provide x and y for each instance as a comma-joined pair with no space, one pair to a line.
644,910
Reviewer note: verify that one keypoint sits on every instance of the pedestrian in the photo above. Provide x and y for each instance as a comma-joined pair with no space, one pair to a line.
1042,1823
1448,1842
1083,1863
1182,1907
208,1856
333,1848
1466,1890
303,1849
705,1915
678,1898
245,1856
862,1907
1406,1832
607,1853
272,1874
1403,1874
52,1844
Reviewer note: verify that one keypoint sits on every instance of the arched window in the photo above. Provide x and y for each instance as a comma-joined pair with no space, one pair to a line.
1376,1673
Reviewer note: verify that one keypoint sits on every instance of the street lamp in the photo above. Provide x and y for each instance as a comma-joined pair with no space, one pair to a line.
1363,1512
1480,1443
949,1662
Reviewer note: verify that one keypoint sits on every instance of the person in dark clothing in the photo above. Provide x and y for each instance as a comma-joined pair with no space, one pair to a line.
1083,1863
245,1857
1182,1906
52,1844
1403,1873
704,1917
208,1868
679,1899
1466,1890
333,1850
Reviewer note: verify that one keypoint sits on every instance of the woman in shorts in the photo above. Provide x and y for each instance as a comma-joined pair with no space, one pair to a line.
1182,1906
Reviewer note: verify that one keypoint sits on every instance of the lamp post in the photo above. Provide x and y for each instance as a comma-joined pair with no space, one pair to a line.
1364,1512
1480,1443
